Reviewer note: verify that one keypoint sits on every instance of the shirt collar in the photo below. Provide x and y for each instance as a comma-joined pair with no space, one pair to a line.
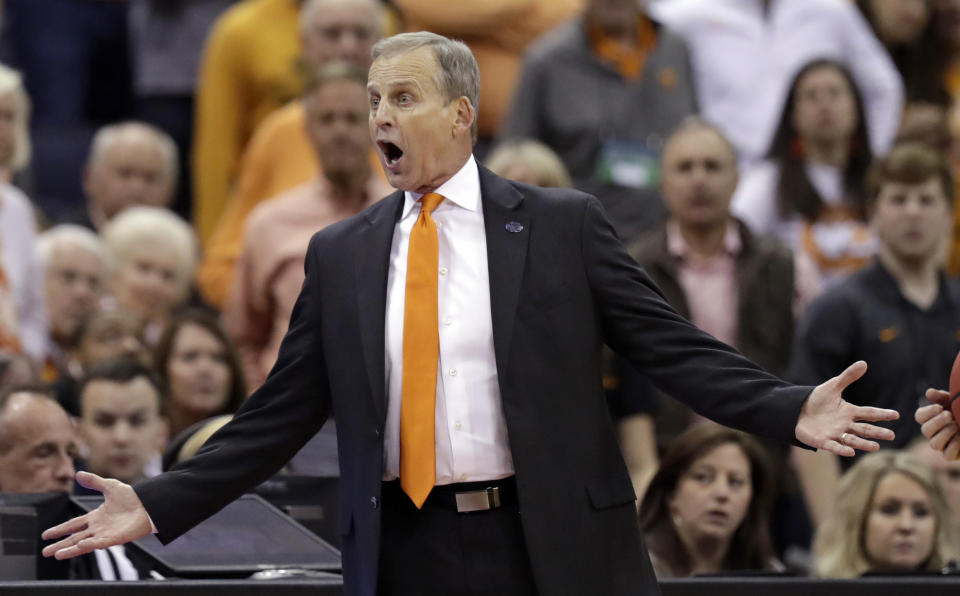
677,247
462,189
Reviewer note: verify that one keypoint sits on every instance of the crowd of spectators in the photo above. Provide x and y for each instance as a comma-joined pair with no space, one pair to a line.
785,171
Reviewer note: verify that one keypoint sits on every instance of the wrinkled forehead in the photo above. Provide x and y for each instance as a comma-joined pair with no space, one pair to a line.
418,67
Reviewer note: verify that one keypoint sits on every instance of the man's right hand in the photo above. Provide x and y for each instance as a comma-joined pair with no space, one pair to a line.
120,519
938,426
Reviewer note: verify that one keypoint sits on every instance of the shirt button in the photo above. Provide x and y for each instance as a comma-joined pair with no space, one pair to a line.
447,321
463,477
374,502
457,426
443,271
453,372
439,225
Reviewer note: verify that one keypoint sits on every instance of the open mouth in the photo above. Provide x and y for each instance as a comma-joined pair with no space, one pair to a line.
391,152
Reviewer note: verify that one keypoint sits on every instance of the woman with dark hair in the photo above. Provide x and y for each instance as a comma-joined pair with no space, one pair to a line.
707,509
200,372
808,192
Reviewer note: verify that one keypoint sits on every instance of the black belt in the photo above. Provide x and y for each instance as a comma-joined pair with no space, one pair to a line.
463,497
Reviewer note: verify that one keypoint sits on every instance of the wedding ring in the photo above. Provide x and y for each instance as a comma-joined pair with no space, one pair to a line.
843,439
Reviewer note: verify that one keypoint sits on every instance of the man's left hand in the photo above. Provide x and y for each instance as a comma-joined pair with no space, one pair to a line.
829,422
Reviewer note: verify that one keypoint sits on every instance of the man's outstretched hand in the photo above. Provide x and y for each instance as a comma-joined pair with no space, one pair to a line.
938,426
829,422
120,519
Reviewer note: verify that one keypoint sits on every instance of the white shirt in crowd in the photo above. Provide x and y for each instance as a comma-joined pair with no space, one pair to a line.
471,432
744,57
18,234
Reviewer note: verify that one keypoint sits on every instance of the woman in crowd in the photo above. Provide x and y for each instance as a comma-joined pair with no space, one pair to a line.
890,517
23,323
152,254
808,192
200,372
707,509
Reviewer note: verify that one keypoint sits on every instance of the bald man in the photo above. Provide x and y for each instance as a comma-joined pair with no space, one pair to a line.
130,163
37,443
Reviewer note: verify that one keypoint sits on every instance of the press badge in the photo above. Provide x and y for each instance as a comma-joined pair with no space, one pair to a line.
633,164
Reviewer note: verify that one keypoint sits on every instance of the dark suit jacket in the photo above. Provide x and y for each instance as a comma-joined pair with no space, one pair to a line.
558,289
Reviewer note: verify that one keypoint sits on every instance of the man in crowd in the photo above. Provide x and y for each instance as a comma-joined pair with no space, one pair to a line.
479,304
130,163
38,448
37,443
120,421
280,154
901,313
604,91
269,273
742,289
74,276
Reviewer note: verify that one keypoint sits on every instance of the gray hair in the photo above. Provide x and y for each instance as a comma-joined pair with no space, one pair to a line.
136,225
70,235
695,122
312,9
459,74
107,135
11,83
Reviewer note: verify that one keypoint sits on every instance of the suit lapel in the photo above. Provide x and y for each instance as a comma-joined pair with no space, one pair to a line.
373,263
507,227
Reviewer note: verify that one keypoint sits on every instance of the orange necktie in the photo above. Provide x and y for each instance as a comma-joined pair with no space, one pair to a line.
421,353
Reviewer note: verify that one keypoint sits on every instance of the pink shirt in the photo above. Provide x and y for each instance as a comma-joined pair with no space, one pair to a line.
269,272
711,287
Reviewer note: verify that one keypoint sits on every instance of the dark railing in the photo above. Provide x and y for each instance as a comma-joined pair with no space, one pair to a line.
731,586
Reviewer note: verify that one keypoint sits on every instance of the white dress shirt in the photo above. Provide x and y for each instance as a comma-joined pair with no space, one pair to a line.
744,58
471,432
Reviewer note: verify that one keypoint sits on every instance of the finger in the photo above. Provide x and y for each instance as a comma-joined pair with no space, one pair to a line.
871,431
942,438
943,420
927,412
952,451
874,414
853,372
68,527
938,396
68,542
81,548
838,448
859,443
91,480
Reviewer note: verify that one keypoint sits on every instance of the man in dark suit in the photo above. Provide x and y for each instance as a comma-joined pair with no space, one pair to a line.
483,304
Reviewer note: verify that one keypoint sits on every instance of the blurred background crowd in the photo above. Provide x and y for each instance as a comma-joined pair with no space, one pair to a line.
783,169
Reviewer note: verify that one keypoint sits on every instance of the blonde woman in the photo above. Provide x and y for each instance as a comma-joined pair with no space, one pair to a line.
23,323
152,255
890,517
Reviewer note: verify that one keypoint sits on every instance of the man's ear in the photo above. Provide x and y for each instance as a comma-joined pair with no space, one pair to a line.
466,114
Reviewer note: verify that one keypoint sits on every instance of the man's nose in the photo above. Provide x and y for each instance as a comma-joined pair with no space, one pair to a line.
64,470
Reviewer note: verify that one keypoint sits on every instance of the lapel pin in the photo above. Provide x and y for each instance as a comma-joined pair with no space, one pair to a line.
514,226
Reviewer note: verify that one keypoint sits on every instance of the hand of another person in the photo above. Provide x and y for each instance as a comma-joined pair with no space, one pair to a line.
120,519
938,425
829,422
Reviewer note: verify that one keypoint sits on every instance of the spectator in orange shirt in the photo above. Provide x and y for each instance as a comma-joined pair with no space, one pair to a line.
279,155
269,272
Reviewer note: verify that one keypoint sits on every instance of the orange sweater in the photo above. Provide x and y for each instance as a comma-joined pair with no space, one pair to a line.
249,69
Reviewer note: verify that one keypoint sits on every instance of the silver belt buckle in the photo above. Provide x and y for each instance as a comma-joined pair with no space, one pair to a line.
478,500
